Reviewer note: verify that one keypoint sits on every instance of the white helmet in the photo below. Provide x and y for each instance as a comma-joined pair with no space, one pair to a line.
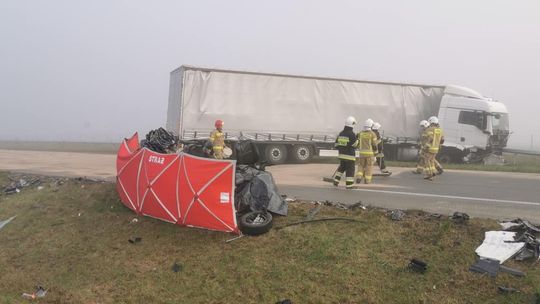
350,122
424,123
433,120
368,123
376,126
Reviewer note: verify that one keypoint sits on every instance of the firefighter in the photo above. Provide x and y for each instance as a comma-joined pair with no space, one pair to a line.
346,144
367,144
434,139
424,124
380,155
217,139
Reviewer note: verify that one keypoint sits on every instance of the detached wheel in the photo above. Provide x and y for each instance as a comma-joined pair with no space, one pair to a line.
255,222
276,154
302,154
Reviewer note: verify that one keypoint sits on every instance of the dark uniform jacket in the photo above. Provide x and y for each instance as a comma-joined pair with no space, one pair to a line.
346,143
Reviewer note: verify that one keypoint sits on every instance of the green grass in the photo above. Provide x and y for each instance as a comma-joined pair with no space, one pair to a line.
87,258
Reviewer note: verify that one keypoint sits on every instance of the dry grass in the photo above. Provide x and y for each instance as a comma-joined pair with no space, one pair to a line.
87,258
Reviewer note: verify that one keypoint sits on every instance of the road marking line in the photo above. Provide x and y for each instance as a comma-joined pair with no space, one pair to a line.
451,197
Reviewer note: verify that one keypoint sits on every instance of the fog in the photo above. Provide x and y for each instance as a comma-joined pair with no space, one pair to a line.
99,70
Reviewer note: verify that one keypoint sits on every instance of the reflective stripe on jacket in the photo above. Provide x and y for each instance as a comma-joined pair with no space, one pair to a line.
434,136
346,144
217,139
367,142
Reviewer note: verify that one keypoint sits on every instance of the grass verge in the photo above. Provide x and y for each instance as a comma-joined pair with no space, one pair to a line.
73,239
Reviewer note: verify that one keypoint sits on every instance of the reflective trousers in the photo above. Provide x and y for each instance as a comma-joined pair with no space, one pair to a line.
429,164
345,166
365,168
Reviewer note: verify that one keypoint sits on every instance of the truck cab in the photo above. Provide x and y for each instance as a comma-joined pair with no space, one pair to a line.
474,125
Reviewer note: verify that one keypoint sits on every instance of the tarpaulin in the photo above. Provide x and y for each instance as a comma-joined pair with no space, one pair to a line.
285,104
257,191
178,188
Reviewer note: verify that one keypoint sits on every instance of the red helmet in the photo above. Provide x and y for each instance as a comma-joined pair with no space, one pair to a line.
219,123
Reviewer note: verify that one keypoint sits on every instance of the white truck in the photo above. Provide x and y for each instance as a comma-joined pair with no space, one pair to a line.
292,117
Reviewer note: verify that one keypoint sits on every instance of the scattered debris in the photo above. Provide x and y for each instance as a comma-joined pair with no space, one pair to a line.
286,301
397,215
135,239
19,183
499,245
40,188
290,200
3,223
11,190
358,205
39,293
519,225
417,265
503,289
460,217
176,267
492,267
134,220
339,205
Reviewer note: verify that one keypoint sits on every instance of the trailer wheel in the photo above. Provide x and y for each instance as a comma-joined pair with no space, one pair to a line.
302,153
276,154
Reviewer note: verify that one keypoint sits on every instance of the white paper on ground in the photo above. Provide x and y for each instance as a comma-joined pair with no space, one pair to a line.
495,247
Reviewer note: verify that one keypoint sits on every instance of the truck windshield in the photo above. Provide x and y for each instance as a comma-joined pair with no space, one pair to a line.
500,121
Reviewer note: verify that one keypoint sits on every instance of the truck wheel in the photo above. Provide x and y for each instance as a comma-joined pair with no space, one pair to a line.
444,158
276,154
302,154
255,222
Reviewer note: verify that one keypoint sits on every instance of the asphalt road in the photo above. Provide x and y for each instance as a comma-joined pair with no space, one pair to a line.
497,195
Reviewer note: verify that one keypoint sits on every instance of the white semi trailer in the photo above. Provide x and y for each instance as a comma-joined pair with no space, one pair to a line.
295,117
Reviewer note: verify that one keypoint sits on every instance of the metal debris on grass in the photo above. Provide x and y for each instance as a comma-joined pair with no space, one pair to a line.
176,267
135,240
39,293
397,215
417,265
5,222
460,217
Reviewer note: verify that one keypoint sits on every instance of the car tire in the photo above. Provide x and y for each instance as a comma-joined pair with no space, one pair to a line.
255,222
276,154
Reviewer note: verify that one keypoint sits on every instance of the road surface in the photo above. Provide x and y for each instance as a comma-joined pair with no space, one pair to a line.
497,195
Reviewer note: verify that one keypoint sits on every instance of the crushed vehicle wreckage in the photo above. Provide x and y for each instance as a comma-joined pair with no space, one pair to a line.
186,187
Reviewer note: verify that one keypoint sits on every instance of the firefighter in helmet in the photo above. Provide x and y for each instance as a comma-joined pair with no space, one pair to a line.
367,144
346,144
217,138
434,139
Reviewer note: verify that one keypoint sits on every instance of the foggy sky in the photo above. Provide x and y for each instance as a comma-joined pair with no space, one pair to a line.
99,70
